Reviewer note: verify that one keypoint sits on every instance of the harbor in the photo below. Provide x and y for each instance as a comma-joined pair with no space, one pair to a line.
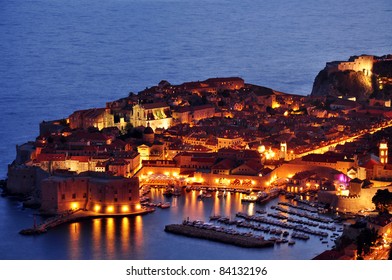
279,221
124,237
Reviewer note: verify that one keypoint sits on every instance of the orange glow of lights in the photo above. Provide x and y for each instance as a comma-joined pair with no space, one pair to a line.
138,207
110,209
74,205
125,208
97,208
261,149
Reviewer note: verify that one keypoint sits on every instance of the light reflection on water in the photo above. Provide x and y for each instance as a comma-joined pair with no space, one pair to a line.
143,237
75,240
96,238
110,237
125,228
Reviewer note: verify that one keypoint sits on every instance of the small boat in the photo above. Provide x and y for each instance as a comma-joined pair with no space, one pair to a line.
291,242
249,198
165,205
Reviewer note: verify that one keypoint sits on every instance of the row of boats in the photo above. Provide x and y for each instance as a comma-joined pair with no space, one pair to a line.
219,190
278,223
300,207
231,231
306,215
262,197
162,205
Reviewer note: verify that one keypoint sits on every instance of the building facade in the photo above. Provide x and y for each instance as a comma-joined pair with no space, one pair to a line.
90,191
155,115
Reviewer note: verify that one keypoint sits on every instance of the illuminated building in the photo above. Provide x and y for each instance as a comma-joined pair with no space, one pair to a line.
383,152
363,63
90,191
99,118
151,114
194,113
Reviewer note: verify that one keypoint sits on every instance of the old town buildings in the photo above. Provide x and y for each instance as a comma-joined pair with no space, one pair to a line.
220,132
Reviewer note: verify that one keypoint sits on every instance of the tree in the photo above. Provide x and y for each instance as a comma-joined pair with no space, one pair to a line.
365,240
382,199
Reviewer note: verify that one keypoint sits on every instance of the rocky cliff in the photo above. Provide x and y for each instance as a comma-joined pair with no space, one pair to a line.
347,83
331,81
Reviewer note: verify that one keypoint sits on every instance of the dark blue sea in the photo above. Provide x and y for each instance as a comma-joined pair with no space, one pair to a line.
59,56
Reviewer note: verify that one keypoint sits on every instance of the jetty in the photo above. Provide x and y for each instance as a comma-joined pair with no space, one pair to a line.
213,233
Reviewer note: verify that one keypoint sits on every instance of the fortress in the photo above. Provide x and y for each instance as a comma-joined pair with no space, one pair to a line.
363,63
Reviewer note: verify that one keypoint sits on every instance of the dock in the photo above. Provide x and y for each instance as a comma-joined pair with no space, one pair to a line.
218,236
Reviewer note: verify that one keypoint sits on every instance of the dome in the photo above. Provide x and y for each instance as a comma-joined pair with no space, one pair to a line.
148,130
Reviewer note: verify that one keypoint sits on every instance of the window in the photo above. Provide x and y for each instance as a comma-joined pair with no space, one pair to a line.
130,198
84,195
115,199
63,196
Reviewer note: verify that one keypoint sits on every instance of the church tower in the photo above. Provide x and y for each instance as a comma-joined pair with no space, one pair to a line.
383,152
148,135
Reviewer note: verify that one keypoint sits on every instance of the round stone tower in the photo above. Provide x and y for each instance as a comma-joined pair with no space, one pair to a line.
148,135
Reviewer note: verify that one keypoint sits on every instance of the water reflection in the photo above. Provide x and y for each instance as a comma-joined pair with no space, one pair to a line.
74,240
174,205
251,209
110,237
97,238
138,232
194,207
125,232
227,204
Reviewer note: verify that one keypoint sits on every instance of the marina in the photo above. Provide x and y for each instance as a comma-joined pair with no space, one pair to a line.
123,236
282,221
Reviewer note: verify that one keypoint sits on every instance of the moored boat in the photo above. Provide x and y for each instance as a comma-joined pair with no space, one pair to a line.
165,205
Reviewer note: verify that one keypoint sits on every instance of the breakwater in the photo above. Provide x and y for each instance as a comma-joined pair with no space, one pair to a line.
215,234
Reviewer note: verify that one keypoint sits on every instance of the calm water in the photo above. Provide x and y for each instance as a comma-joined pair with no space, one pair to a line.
142,237
59,56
